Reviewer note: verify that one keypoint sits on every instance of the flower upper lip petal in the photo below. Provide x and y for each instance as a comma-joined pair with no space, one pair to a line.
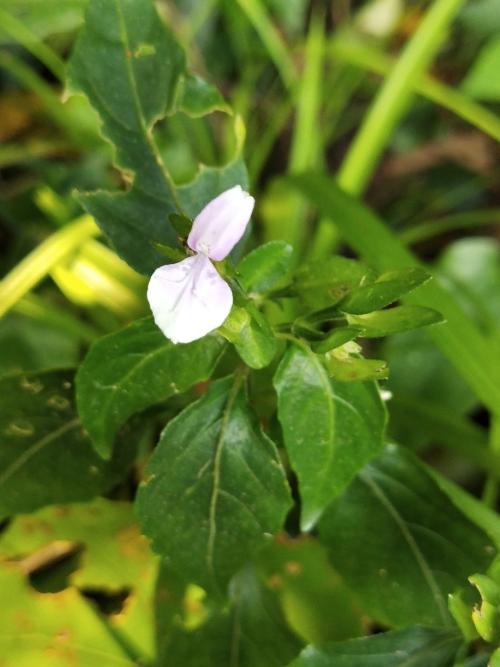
221,223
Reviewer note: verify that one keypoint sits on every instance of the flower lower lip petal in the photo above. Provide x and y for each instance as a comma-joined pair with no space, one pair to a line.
189,299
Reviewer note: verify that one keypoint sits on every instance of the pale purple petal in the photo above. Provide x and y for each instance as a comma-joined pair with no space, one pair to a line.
189,299
221,224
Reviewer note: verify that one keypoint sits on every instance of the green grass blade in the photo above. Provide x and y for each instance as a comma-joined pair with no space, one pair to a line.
394,96
367,57
431,228
23,36
35,266
305,139
272,40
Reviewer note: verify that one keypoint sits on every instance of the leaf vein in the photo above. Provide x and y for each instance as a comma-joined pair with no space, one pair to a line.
412,544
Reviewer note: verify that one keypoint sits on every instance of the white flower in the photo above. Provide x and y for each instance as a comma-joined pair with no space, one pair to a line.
189,299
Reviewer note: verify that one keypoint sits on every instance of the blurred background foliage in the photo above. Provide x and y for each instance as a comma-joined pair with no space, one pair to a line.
300,76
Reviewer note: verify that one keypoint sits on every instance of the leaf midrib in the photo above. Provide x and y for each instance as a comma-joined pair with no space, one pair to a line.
219,448
330,400
111,391
411,542
138,107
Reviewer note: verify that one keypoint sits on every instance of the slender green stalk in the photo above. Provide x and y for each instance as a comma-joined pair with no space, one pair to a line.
23,36
272,40
367,57
431,228
35,266
394,96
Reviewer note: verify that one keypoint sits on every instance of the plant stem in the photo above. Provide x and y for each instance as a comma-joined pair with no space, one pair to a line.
394,96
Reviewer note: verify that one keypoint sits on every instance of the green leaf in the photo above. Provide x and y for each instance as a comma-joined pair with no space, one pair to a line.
248,329
211,181
481,81
418,646
181,223
459,339
104,533
52,630
250,633
422,375
256,343
46,457
316,602
412,546
131,369
130,86
172,254
130,67
479,660
267,267
394,320
215,488
331,429
102,527
472,266
322,284
196,97
43,19
388,287
460,609
337,337
486,615
350,368
29,345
